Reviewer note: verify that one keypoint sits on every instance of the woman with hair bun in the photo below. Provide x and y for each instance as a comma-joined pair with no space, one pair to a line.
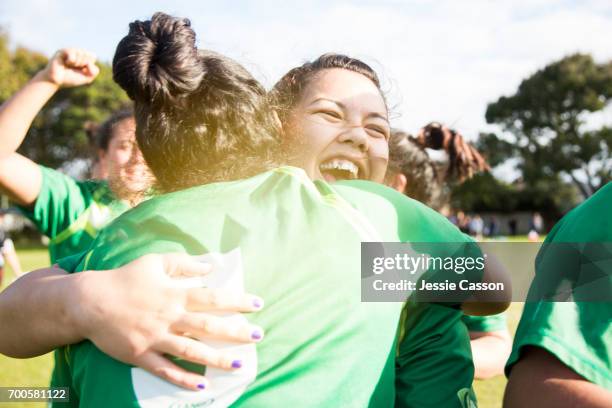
206,130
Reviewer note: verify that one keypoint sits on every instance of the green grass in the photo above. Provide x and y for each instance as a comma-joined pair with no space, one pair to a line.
490,392
32,372
35,372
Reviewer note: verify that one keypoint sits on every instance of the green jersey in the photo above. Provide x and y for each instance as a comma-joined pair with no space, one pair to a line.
434,366
297,244
71,212
579,334
492,323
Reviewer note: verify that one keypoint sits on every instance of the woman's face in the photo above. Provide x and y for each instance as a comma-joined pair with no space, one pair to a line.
339,129
127,171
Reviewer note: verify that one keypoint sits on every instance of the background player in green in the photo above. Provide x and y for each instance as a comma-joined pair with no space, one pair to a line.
68,211
561,352
411,171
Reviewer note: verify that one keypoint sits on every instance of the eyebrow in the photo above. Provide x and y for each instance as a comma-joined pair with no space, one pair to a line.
343,107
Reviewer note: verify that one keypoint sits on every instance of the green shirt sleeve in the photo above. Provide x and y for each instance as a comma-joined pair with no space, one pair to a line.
70,263
60,202
578,333
434,365
71,212
485,323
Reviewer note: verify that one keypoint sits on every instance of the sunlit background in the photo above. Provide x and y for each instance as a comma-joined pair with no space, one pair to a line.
440,60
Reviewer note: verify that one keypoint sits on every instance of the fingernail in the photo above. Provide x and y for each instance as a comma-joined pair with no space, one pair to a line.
258,303
236,364
201,386
256,335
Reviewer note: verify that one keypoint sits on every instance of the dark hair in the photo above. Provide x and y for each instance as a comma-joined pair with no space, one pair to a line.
464,159
101,135
288,90
200,117
409,158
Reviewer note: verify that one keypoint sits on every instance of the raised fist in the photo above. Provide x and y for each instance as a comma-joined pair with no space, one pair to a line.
71,67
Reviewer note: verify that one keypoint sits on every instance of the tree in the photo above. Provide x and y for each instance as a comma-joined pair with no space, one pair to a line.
484,193
58,135
546,118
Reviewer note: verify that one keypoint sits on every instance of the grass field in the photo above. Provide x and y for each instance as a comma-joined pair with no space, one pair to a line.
35,372
32,372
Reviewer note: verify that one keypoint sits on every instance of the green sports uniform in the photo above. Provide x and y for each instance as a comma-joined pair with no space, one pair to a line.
71,212
492,323
297,244
434,366
579,333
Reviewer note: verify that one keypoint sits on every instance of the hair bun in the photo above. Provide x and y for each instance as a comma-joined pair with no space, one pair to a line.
158,59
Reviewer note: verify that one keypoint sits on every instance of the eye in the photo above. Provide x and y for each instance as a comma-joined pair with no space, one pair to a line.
378,131
330,114
124,146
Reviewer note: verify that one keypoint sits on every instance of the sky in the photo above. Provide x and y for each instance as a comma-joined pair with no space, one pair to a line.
441,60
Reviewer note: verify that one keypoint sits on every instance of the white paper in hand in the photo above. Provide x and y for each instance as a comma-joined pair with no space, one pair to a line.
225,386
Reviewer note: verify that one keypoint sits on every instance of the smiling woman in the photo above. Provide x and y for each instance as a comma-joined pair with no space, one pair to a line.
335,119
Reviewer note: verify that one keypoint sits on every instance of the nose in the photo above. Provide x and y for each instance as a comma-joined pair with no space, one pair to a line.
357,136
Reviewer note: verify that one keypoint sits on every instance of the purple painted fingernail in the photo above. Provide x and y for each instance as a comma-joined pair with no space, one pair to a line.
256,335
236,364
257,303
201,386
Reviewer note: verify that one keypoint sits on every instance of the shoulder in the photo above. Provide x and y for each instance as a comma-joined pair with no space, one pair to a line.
590,221
415,220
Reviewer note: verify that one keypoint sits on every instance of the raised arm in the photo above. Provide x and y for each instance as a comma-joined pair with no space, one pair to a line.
20,178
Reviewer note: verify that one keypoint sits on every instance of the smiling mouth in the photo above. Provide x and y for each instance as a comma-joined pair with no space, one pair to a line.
339,169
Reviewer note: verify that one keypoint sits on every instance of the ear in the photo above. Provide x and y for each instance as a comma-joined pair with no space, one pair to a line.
399,182
101,154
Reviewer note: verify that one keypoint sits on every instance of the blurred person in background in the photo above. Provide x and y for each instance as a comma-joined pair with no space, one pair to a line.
477,227
536,227
411,171
7,250
513,226
68,211
463,222
493,227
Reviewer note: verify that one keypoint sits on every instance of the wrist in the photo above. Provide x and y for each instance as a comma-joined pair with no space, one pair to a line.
45,77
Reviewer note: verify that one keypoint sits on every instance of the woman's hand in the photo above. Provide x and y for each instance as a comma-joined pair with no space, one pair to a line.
71,67
137,314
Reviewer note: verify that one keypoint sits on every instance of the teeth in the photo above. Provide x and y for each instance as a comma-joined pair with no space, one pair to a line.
338,164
